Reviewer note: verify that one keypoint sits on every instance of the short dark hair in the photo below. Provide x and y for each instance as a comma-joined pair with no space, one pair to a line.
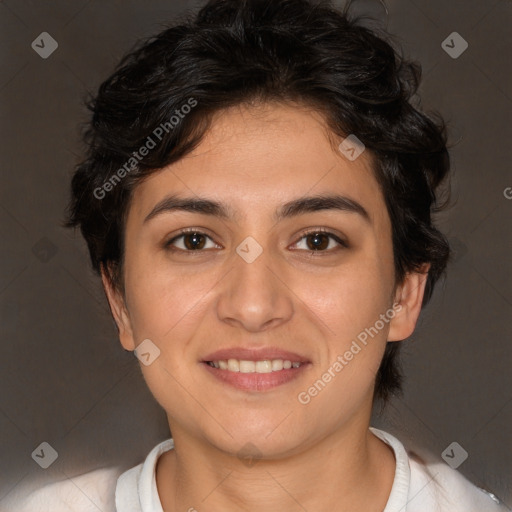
236,52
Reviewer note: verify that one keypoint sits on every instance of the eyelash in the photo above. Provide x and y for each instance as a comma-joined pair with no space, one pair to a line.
188,231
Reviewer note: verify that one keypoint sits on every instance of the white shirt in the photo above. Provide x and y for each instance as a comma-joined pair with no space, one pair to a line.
417,487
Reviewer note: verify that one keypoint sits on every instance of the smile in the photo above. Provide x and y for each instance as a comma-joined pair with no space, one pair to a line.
255,376
263,366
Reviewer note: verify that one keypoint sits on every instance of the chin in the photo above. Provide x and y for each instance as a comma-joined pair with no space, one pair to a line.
253,441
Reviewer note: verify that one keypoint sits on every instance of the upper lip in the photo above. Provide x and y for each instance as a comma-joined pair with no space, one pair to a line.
253,354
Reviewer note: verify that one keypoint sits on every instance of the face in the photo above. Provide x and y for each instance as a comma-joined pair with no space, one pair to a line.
263,274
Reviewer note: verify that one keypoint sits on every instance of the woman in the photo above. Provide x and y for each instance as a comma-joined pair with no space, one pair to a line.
257,199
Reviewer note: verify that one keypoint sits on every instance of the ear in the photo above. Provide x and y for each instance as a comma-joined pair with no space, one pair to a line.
119,311
408,299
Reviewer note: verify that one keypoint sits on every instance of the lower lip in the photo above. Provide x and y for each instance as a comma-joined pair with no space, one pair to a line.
256,381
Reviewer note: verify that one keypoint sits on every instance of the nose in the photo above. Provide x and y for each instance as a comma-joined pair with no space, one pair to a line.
254,295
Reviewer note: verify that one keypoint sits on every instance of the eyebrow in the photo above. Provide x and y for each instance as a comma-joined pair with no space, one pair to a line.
293,208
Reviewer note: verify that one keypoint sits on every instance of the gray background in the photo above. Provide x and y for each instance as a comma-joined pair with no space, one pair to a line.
65,378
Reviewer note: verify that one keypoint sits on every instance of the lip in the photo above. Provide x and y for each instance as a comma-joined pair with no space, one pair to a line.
253,354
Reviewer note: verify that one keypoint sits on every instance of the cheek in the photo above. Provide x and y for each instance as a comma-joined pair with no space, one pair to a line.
349,304
162,298
166,307
349,299
349,307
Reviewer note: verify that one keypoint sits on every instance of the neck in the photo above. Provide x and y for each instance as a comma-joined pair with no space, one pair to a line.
349,470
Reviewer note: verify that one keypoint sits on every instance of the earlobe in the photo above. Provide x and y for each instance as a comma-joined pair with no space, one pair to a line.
408,301
119,312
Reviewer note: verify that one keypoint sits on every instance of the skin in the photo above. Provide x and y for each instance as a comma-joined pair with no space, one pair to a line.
254,159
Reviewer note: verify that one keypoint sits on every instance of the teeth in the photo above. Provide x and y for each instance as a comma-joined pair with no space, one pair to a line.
264,366
277,364
247,367
233,365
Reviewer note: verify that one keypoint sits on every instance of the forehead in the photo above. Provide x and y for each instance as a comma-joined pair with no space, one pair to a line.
257,158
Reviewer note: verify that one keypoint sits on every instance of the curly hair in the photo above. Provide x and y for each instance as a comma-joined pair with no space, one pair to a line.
235,52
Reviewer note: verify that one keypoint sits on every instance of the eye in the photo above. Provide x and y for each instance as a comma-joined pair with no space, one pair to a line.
191,240
319,241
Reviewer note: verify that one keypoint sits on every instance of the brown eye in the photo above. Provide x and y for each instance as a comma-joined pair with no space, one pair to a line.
317,241
190,241
320,241
193,241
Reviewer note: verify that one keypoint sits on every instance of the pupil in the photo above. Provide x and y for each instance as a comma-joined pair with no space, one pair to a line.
194,241
319,241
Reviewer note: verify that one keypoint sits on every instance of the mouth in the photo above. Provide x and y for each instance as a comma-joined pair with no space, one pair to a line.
262,366
253,370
